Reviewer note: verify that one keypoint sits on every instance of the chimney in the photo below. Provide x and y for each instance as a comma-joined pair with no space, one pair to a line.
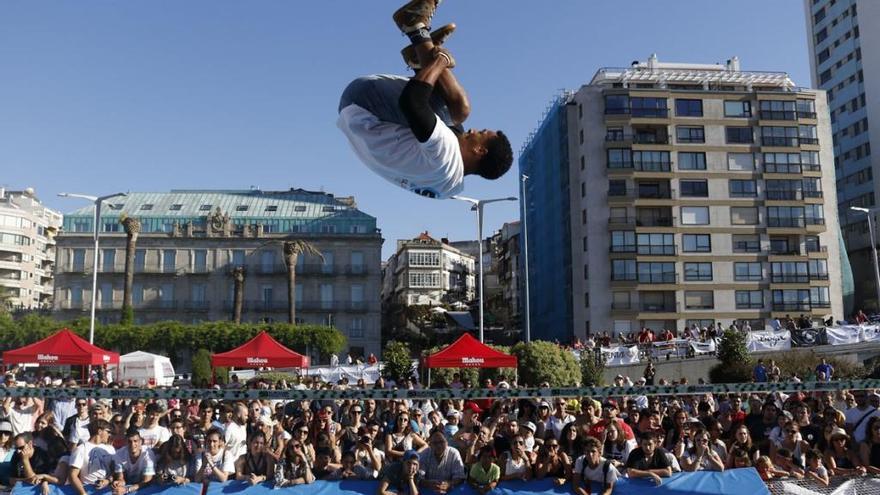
444,240
733,64
652,61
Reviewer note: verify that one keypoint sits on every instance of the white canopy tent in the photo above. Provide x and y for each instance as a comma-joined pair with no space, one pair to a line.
145,369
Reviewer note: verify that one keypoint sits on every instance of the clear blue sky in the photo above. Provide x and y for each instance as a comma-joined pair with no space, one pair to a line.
104,96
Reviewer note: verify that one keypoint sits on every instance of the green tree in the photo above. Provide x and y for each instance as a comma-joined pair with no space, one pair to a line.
592,366
736,363
201,367
541,361
397,361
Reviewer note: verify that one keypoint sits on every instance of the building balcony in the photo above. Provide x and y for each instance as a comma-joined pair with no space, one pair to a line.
750,305
646,193
657,278
652,166
791,306
650,113
623,248
655,222
661,250
308,306
782,168
813,194
778,115
789,278
792,195
818,276
647,307
621,194
811,167
808,140
806,115
621,222
785,222
778,141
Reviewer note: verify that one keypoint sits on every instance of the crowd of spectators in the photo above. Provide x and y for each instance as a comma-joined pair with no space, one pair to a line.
412,445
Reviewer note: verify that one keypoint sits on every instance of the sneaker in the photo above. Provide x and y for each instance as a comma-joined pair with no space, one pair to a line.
416,14
438,36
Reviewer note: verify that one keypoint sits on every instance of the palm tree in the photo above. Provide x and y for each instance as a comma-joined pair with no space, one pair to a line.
292,249
238,293
132,228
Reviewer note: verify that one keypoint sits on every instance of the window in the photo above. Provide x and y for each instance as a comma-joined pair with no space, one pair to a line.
691,134
169,260
688,108
785,216
423,258
743,188
623,270
779,136
746,243
791,300
327,264
356,328
696,243
656,273
694,188
691,161
806,109
146,207
695,215
747,271
611,134
267,261
616,104
176,207
623,241
699,299
740,161
698,272
648,107
657,161
299,208
140,260
738,109
619,158
200,260
205,208
108,260
739,135
327,292
783,190
271,208
749,299
782,163
820,297
789,272
620,300
818,269
357,262
778,109
743,215
617,188
76,296
241,208
807,134
815,214
655,244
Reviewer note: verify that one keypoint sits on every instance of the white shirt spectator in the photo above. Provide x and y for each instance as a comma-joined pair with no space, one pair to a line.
134,471
80,431
863,416
236,439
22,419
154,436
595,474
222,460
93,461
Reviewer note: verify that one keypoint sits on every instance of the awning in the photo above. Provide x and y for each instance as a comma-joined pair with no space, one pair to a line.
64,347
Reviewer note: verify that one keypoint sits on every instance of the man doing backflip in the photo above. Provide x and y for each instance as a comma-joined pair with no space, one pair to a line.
408,130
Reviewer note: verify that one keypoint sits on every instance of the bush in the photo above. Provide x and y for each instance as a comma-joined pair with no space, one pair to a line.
733,349
541,361
592,367
731,373
201,367
397,361
803,363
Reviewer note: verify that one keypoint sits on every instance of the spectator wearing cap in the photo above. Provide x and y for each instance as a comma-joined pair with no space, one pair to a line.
401,477
441,464
485,474
527,432
609,413
450,429
133,466
840,459
152,433
542,420
90,461
22,412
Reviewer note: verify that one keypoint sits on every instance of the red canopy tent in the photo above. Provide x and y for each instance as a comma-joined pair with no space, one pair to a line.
63,347
468,352
261,351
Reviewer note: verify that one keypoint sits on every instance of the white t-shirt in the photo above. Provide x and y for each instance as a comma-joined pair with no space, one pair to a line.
433,169
595,474
154,436
236,439
80,431
134,471
22,419
854,415
223,460
93,461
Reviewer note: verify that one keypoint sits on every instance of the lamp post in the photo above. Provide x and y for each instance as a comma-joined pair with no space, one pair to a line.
477,206
97,200
868,213
527,322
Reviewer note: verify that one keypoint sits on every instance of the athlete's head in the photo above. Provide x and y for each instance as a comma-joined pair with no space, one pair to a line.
490,150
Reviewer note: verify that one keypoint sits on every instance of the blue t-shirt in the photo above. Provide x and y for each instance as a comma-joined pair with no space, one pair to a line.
760,373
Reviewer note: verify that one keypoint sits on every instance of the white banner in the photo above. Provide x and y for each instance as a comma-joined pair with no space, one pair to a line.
847,334
872,333
703,347
620,355
676,348
370,373
769,340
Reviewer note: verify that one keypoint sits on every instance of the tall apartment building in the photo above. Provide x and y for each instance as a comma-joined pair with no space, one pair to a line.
851,78
508,264
699,193
428,271
190,242
27,250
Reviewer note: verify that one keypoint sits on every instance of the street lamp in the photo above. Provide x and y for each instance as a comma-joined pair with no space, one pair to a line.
477,206
527,322
97,200
868,213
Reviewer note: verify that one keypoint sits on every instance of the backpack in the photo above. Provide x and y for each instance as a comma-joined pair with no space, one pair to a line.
606,466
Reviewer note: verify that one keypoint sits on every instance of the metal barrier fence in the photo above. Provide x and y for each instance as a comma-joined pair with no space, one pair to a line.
446,393
840,485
